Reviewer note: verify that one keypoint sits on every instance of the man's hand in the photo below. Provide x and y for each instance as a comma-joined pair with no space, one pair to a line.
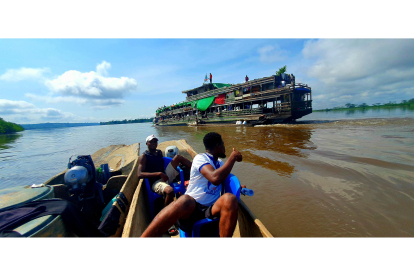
237,155
164,177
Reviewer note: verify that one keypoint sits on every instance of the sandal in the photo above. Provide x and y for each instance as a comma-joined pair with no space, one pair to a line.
172,231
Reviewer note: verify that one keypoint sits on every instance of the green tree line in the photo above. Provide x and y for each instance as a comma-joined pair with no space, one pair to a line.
8,127
127,121
375,105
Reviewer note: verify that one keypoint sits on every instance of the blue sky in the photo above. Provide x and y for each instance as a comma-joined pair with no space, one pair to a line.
93,80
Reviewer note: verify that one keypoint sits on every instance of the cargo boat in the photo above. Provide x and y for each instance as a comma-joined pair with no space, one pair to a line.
269,100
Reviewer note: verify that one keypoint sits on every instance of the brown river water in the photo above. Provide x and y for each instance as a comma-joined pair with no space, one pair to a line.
351,177
348,178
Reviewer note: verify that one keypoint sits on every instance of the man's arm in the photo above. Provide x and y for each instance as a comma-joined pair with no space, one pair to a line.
216,177
181,159
141,170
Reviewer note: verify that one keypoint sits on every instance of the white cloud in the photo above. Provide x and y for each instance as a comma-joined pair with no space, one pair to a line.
352,69
102,68
27,111
355,59
52,113
97,103
103,104
91,85
12,107
318,97
59,99
23,74
271,54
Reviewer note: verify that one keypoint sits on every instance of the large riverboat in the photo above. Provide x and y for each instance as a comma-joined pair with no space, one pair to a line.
268,100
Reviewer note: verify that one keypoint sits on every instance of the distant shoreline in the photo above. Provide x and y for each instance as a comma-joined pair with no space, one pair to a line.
135,121
56,125
63,125
9,127
408,104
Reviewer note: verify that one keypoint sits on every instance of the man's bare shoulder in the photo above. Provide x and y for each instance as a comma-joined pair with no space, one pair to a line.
142,157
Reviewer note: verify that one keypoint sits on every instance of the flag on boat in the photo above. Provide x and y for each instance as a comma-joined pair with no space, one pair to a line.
205,78
220,99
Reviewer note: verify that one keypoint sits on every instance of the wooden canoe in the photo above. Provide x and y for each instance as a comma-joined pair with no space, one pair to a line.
138,217
121,158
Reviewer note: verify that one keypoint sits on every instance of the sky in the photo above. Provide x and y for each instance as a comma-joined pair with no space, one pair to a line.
95,80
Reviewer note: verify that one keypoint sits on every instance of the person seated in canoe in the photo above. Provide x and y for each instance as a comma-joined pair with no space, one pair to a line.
151,166
202,199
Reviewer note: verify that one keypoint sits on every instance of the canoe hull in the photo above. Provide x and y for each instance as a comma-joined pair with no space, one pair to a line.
121,158
138,219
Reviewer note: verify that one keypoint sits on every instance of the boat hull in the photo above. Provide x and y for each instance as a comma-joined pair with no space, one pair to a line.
259,119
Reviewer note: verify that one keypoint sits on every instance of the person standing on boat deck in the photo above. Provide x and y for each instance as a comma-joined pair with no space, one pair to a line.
292,80
246,78
151,166
211,78
202,199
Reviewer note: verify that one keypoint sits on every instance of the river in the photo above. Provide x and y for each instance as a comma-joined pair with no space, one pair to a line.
331,174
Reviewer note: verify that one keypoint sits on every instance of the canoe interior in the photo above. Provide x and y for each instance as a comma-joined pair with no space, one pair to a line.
128,190
138,217
118,157
121,158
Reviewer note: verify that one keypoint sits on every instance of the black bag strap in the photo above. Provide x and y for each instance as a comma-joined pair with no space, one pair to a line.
11,218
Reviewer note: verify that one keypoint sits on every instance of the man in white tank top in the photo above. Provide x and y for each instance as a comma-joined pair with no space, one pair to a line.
202,199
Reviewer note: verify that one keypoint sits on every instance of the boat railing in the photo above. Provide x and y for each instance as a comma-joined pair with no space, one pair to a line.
252,83
279,108
302,104
261,95
206,94
229,113
230,88
179,110
258,95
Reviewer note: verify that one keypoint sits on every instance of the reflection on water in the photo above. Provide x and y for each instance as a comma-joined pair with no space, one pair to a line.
6,140
325,176
266,147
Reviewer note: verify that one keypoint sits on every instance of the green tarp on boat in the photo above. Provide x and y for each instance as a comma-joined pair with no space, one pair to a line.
203,104
220,85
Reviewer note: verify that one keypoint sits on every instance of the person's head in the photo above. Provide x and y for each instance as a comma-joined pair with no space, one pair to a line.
214,144
152,142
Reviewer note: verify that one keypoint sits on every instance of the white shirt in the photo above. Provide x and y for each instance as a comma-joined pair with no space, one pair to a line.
199,188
